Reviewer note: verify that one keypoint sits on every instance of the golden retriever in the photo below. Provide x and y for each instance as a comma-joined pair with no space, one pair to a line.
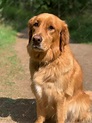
56,75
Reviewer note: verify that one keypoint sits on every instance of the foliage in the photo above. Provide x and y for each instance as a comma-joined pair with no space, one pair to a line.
15,12
80,28
77,13
61,8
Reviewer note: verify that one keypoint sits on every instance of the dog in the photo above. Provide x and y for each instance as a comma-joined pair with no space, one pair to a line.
57,80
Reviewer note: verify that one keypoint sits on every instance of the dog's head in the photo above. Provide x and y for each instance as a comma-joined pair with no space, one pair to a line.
46,31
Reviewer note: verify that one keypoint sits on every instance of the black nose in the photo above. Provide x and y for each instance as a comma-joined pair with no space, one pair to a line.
37,39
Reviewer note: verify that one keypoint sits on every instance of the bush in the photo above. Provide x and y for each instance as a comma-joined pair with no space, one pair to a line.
15,13
77,14
80,28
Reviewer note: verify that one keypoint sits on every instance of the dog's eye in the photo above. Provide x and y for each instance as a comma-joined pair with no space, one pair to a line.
36,24
51,28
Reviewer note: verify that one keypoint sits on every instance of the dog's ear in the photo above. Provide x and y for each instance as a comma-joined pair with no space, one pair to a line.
30,25
64,35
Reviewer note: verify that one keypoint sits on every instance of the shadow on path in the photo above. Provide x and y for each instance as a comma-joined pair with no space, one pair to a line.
20,110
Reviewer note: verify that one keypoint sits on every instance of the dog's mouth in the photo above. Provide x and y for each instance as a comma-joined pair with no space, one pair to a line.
37,48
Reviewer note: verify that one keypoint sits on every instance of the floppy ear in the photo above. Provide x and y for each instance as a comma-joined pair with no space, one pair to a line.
30,25
64,36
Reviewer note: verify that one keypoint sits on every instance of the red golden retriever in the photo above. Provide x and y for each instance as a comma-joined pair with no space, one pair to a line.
56,75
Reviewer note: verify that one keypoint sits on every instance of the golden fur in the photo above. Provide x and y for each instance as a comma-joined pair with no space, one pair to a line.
56,75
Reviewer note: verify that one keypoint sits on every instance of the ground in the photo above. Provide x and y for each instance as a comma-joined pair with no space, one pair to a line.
20,108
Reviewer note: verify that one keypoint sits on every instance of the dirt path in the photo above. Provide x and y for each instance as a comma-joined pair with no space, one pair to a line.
22,110
22,54
83,53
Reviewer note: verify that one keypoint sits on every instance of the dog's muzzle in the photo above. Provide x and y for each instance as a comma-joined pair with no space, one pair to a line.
36,42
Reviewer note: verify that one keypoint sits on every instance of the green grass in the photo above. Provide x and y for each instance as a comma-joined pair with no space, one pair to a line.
7,36
10,66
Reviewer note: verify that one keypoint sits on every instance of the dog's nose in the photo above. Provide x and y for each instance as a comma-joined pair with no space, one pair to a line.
37,39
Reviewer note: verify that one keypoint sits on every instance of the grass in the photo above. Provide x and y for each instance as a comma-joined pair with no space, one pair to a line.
7,36
10,68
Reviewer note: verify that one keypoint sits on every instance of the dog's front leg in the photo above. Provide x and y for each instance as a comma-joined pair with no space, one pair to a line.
61,110
40,113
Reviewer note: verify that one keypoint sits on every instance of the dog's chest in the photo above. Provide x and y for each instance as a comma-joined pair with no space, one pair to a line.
42,83
47,86
48,81
38,90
